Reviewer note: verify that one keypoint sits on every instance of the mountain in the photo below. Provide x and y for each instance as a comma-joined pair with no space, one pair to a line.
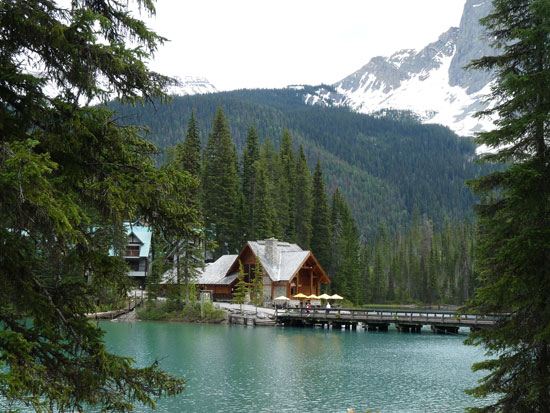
432,83
192,85
386,166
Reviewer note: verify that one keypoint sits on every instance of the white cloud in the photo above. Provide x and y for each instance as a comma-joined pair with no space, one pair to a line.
251,43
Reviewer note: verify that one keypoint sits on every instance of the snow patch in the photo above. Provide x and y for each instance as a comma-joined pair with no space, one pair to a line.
191,85
426,93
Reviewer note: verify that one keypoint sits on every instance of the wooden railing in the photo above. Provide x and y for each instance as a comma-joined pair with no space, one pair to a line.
402,316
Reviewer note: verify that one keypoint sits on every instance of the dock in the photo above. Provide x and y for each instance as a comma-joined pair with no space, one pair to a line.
441,322
113,314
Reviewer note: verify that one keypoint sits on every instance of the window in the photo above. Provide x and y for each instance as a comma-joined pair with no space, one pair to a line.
132,251
133,264
249,272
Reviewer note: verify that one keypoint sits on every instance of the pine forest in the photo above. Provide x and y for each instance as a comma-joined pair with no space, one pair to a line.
384,166
268,189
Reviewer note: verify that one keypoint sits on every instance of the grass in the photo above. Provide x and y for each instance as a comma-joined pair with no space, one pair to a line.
172,310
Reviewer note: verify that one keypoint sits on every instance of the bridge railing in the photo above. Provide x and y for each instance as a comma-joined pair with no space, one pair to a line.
390,315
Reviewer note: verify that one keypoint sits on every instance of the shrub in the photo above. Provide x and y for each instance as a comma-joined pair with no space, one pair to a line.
152,310
210,312
178,311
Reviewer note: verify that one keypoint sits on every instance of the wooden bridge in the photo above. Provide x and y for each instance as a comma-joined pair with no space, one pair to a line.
379,319
133,302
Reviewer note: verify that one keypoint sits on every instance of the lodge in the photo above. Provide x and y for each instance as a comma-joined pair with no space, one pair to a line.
138,252
287,270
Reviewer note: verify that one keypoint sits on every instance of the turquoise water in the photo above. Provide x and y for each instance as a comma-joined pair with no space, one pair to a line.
274,369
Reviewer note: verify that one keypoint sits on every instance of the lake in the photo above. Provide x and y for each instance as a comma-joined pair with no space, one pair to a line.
275,369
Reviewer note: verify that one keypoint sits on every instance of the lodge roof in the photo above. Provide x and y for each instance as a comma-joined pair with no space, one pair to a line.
288,260
215,272
143,234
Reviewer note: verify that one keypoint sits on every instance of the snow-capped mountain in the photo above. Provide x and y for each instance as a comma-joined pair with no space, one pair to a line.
191,85
431,82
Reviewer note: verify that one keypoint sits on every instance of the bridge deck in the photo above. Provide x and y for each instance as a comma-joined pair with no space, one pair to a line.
386,317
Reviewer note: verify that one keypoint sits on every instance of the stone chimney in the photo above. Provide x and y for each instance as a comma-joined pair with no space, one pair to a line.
271,252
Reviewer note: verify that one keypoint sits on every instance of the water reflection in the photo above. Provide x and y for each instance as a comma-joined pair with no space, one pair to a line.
235,368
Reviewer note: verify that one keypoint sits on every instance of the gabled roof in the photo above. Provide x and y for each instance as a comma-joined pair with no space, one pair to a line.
290,258
215,272
144,235
288,261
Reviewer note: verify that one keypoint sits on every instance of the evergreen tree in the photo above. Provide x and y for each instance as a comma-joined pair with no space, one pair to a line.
282,208
70,175
251,157
278,199
349,249
345,262
432,275
264,213
241,288
186,254
288,164
365,276
258,284
240,224
392,279
320,219
303,201
377,279
178,258
513,257
189,154
220,188
336,234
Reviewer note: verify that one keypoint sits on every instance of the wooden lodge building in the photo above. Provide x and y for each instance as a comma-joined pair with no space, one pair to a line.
287,270
138,253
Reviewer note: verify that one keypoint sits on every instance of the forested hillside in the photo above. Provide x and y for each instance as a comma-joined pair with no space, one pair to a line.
384,166
269,193
417,265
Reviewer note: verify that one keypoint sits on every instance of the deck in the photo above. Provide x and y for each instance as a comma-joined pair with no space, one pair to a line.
380,319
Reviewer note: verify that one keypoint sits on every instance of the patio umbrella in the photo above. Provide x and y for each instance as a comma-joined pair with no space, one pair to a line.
324,296
312,297
300,296
336,297
282,298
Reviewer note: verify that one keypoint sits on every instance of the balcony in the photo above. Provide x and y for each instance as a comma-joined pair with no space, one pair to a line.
132,251
137,273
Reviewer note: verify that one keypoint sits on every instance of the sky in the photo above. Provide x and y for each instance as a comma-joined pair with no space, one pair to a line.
275,43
